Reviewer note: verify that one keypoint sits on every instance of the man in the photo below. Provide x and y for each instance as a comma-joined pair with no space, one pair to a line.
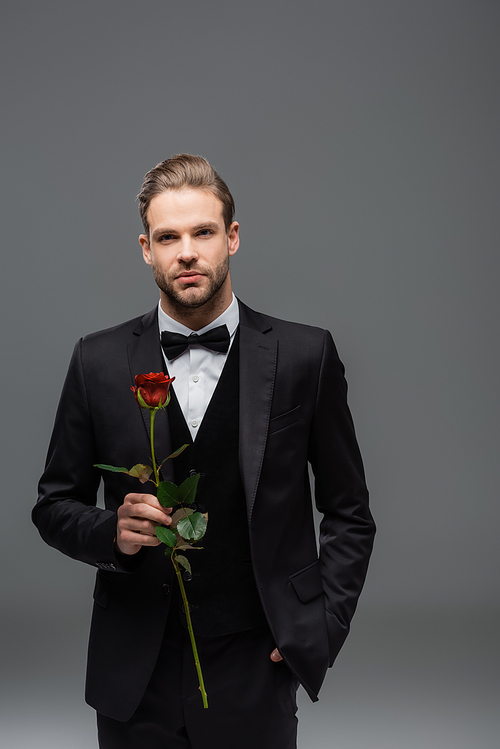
268,612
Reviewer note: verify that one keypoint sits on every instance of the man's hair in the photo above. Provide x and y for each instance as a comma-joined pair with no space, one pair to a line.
179,172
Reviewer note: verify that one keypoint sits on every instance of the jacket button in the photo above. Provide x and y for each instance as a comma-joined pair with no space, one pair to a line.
187,576
191,607
166,589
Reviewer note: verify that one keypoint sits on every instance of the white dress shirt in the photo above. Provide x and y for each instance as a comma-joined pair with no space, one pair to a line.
197,369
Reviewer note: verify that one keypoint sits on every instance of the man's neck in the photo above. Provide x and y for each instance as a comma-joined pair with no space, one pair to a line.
196,318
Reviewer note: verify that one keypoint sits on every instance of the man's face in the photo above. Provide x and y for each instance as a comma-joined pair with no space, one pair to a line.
188,249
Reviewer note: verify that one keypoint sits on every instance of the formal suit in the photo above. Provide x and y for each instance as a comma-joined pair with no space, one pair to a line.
293,409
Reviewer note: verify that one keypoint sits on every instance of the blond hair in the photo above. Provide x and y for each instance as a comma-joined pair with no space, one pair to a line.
178,172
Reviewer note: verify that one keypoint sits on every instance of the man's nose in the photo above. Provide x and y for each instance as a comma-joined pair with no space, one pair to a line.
187,251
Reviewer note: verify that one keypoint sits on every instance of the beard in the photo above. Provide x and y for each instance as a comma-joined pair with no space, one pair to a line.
193,297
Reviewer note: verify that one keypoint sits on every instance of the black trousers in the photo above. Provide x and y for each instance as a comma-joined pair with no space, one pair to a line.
252,700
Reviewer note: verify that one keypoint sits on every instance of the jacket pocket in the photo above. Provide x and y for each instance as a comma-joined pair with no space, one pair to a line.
285,420
307,582
101,591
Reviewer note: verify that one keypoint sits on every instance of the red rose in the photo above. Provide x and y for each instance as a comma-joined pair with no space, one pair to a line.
153,389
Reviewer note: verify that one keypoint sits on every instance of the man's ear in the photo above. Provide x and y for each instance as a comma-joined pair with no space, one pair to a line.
146,250
233,237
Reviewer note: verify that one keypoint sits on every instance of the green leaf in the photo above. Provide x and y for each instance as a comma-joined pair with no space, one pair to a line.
167,494
110,468
141,400
165,535
187,490
193,527
175,454
184,546
168,551
163,404
183,561
141,472
182,512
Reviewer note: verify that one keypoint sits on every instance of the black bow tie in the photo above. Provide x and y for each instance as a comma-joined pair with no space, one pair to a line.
174,344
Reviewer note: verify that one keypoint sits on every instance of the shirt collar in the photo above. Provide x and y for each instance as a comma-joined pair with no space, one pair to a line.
230,317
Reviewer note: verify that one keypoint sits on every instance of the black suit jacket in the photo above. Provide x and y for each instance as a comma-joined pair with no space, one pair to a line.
293,411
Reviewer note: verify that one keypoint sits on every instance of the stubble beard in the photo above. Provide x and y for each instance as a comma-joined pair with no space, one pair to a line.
191,299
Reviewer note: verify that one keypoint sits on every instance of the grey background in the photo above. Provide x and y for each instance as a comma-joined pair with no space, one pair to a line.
360,141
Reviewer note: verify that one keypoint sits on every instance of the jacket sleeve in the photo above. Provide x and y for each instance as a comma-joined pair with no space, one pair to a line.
66,514
347,528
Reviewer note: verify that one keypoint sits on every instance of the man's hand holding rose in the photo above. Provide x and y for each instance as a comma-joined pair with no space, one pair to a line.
137,519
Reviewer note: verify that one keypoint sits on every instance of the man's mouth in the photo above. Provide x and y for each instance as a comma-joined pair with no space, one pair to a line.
189,276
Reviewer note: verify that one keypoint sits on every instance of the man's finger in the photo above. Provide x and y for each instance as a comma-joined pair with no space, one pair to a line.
276,655
133,538
145,510
147,499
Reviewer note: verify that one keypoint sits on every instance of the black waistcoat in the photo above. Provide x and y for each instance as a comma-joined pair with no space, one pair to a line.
222,593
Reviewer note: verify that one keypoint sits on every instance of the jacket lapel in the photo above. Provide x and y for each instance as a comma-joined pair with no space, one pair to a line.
145,355
258,358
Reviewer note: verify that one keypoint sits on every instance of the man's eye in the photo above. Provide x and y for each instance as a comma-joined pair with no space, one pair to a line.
166,237
205,232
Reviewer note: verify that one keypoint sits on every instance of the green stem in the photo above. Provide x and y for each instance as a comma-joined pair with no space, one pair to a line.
155,469
191,633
